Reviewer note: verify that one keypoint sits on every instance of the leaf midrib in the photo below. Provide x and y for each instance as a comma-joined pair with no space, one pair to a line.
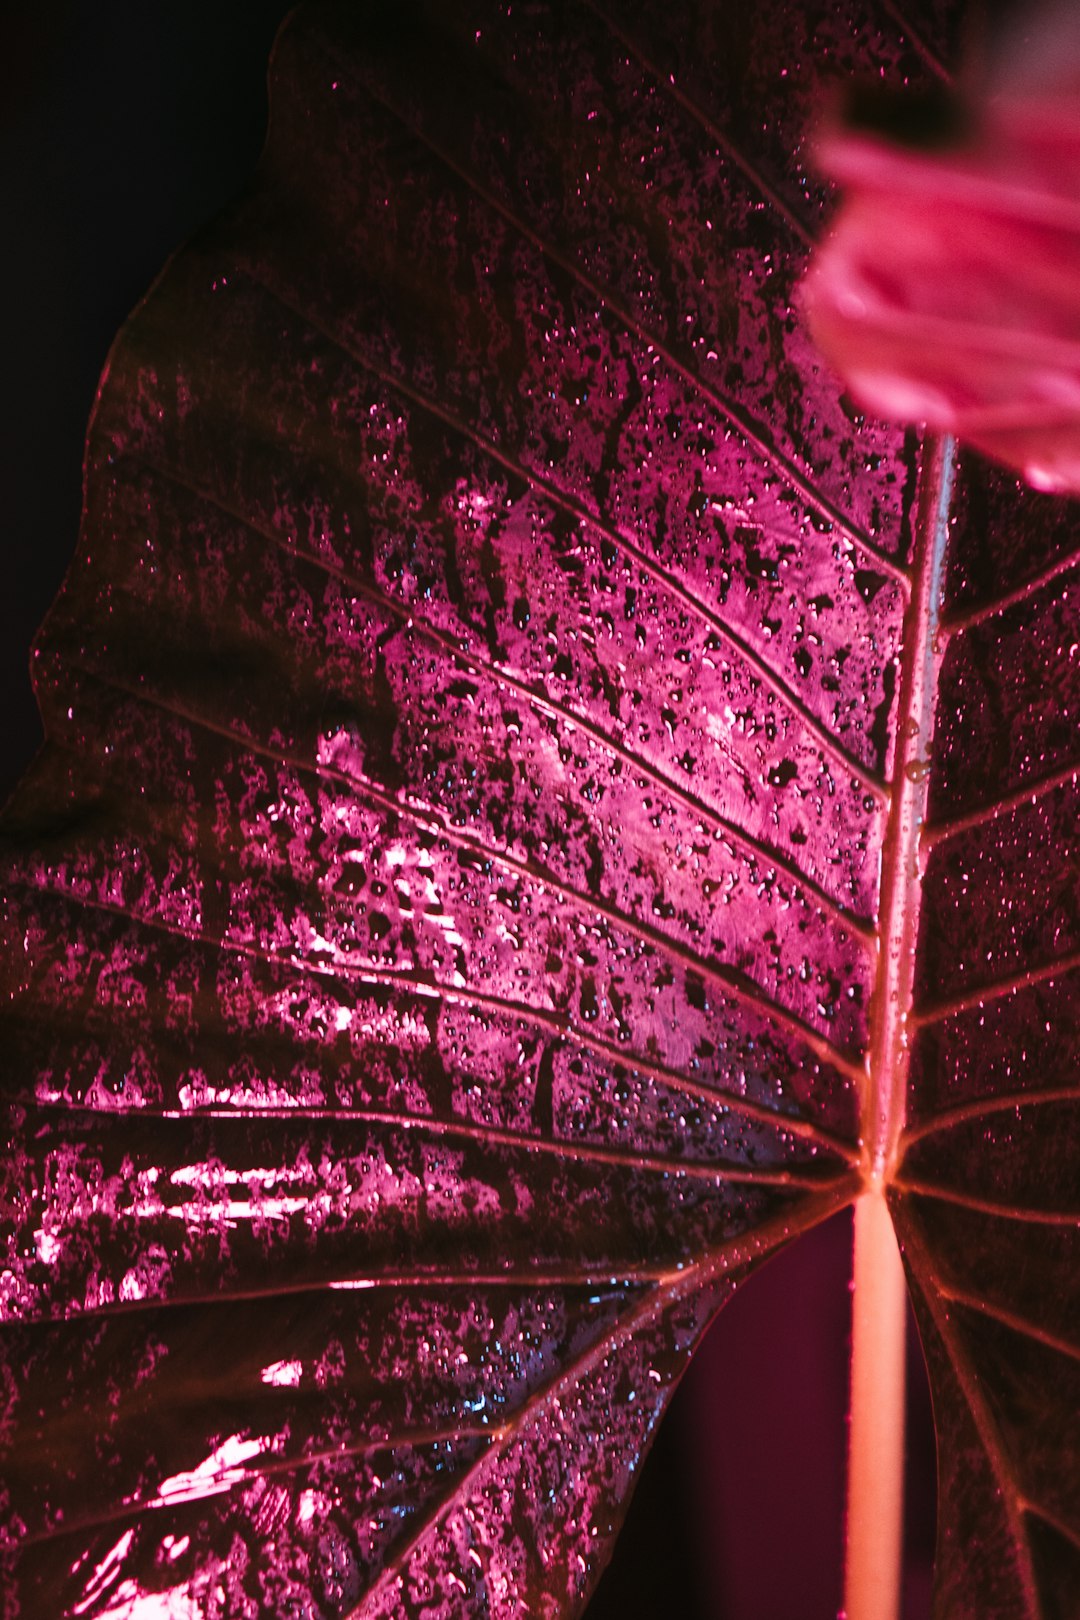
889,1049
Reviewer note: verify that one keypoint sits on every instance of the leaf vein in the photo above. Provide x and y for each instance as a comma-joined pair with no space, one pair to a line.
1029,793
967,618
831,744
1010,1319
982,1107
755,847
728,981
549,1018
986,1206
993,990
635,1159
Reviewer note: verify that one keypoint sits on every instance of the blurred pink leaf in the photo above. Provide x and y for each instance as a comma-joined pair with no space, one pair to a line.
948,290
492,829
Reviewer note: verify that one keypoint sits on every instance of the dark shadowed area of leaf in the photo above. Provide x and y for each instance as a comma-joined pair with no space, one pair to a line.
440,932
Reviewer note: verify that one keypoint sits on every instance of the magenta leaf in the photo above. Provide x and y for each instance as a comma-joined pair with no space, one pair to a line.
495,874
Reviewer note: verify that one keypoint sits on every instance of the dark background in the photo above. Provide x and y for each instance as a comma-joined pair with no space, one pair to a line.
123,127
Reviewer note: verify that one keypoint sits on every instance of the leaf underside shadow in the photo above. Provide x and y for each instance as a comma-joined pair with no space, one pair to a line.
441,933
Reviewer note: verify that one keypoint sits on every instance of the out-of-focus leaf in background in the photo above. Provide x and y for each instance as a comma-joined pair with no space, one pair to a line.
947,290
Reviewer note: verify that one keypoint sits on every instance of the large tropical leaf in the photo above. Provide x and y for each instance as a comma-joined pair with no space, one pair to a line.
525,831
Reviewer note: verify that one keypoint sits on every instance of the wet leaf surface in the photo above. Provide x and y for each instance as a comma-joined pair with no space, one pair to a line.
448,935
